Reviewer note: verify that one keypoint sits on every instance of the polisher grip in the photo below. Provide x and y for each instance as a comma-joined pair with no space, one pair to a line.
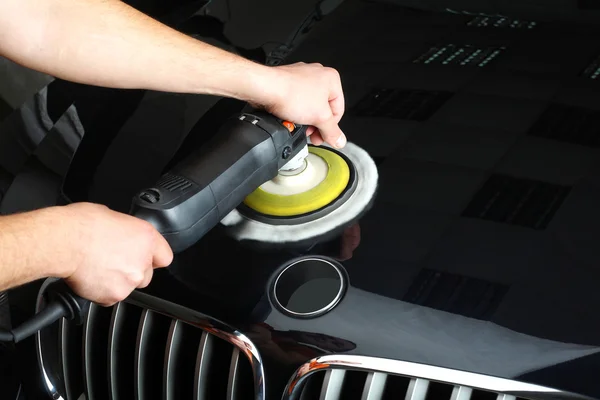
201,190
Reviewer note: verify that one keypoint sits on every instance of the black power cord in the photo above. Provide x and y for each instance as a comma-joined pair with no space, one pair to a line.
62,303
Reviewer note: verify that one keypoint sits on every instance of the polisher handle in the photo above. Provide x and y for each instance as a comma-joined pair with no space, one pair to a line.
196,194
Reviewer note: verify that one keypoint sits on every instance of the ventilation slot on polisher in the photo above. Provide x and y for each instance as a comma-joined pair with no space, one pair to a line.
173,183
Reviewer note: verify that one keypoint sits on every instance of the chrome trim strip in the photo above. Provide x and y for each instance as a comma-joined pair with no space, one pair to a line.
234,370
169,368
332,385
374,386
505,397
202,367
410,369
417,389
461,393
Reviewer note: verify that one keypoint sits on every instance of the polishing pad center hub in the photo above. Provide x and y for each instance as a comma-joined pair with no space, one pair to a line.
296,171
325,177
286,184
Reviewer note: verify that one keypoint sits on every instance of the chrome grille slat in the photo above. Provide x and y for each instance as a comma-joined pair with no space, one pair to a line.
374,386
180,361
122,346
461,393
140,354
115,326
201,376
95,349
169,376
232,386
151,342
88,365
112,345
417,389
332,386
64,358
503,396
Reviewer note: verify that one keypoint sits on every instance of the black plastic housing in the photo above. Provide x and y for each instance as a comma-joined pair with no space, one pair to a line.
196,194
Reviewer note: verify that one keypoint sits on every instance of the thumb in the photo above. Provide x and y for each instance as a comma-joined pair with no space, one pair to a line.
332,134
163,255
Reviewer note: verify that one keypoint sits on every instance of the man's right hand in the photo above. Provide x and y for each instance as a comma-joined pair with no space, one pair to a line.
111,253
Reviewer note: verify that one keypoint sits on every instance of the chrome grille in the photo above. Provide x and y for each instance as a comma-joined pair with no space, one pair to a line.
348,377
145,348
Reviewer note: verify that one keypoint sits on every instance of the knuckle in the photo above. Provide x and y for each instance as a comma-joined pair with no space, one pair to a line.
112,299
169,258
94,207
148,229
333,72
145,282
135,277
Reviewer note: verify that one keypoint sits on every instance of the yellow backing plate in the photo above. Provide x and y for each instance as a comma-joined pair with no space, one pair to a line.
338,176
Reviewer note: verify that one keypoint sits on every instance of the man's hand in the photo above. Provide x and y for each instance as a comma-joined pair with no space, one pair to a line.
102,254
309,94
112,253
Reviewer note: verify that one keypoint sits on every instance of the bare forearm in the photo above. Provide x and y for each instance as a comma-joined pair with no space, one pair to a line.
32,246
108,43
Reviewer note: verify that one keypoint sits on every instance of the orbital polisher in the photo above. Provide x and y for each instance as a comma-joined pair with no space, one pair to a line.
261,179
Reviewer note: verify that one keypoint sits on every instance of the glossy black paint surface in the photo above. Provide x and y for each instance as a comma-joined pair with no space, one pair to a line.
481,252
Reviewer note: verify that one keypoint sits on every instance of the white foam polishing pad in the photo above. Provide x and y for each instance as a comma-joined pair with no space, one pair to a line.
242,227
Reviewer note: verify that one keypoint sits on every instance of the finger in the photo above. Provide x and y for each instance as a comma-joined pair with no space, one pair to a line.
337,101
332,134
163,255
147,278
316,138
310,130
338,107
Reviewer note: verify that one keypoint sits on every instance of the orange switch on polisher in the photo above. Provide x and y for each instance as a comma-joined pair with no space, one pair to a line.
289,125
